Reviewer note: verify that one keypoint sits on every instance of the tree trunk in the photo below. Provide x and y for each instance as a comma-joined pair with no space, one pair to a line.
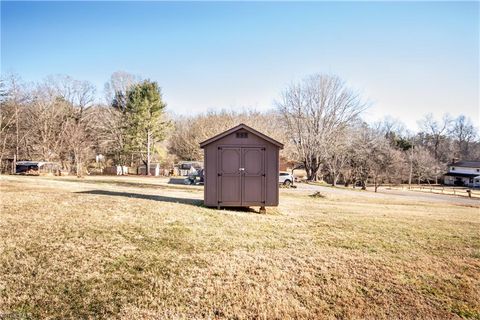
17,135
312,169
78,165
14,164
312,175
335,179
411,169
2,153
148,154
308,169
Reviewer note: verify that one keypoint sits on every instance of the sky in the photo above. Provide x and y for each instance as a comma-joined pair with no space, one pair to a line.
406,58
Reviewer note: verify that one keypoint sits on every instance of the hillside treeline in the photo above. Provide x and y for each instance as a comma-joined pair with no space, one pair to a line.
319,119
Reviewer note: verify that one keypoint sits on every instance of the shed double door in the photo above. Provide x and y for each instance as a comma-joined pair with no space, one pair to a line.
241,176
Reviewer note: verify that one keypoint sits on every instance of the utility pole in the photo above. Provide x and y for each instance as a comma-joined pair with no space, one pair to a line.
17,133
17,140
411,168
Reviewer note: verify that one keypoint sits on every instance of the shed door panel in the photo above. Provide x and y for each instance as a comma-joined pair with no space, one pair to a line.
241,178
253,183
230,192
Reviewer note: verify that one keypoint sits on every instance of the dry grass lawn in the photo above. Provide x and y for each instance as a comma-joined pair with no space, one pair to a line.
139,249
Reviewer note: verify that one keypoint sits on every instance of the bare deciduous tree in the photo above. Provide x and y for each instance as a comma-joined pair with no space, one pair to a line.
190,131
316,119
111,131
464,134
384,162
116,89
79,97
435,131
314,111
425,167
372,158
336,155
15,98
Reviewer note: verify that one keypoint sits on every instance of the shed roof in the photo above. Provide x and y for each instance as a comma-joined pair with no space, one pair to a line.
32,163
470,164
458,174
245,127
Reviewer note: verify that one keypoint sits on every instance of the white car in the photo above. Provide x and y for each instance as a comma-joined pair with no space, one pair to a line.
286,179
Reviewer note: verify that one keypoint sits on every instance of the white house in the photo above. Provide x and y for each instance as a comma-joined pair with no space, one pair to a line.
463,173
476,182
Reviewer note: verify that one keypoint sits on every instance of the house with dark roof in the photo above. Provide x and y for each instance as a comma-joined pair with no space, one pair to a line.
463,173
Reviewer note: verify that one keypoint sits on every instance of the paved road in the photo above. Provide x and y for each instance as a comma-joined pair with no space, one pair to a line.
395,194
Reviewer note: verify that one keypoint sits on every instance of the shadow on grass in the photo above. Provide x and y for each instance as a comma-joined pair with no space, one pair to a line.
189,201
177,186
193,202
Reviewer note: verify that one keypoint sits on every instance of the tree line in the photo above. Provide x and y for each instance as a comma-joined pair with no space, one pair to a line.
60,120
318,119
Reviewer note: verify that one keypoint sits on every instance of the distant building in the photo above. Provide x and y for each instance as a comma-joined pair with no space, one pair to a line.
116,170
184,168
154,169
37,168
463,173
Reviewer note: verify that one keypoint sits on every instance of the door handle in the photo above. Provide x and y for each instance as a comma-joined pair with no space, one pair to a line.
241,169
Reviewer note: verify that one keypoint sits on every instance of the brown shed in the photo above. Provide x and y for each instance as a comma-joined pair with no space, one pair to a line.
241,168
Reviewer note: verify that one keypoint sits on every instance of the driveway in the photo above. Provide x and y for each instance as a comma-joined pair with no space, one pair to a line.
384,193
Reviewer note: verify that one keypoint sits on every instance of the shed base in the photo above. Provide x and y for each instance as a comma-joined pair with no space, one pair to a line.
262,209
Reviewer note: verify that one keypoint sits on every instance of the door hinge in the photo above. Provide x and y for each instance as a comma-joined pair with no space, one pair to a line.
219,201
263,149
219,174
263,175
219,148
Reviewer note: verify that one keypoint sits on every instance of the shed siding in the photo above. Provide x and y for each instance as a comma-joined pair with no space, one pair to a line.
211,160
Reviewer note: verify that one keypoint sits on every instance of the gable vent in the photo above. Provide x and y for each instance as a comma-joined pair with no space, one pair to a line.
242,135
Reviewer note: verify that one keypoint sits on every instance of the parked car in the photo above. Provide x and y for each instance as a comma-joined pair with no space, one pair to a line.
286,179
195,177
